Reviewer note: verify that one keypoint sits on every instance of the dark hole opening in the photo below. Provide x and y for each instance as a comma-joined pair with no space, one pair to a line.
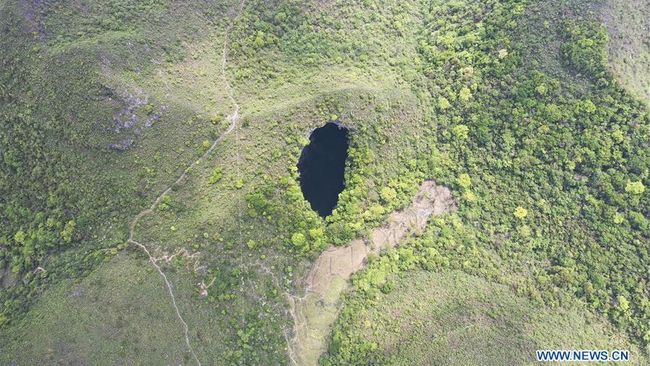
321,167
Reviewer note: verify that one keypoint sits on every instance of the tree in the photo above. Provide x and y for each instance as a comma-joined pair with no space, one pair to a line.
388,194
68,231
465,94
461,132
317,234
464,180
520,213
299,240
259,39
623,303
443,103
205,144
635,187
470,196
216,176
19,237
639,221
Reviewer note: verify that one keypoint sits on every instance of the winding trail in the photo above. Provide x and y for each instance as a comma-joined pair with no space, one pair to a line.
233,118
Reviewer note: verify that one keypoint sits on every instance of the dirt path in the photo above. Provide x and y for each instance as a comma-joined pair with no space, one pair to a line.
233,118
314,313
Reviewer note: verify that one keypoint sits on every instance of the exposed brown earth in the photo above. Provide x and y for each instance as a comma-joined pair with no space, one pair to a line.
314,313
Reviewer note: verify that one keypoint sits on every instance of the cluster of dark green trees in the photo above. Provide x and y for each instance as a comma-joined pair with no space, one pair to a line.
547,155
550,165
35,217
60,188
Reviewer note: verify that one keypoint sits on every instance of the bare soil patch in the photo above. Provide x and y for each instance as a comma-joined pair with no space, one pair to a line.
314,313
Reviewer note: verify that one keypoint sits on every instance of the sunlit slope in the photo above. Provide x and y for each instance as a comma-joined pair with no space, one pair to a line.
119,314
229,223
547,156
90,129
244,258
628,24
110,104
451,318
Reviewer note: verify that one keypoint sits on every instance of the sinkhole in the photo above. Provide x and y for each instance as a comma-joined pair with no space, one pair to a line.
321,167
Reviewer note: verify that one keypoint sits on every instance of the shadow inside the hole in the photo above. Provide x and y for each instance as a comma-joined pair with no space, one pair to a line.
322,167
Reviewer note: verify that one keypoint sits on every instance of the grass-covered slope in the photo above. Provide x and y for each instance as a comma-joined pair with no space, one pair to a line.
547,154
105,104
87,142
452,318
114,316
628,24
159,102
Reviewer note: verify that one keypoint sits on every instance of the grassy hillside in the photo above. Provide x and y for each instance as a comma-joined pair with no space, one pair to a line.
105,104
86,142
628,23
552,202
120,313
452,318
231,220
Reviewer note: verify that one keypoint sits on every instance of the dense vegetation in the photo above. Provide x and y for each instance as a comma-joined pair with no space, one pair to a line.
451,318
510,103
550,165
66,192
